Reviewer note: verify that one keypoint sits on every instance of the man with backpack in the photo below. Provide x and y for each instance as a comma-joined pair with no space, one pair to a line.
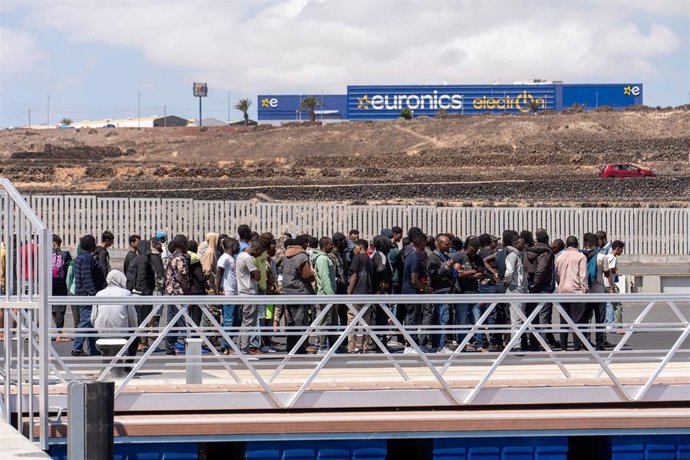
60,262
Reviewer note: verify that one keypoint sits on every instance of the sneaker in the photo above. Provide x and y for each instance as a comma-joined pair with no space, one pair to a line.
354,351
447,350
255,351
322,351
78,353
409,351
394,343
267,349
482,350
179,348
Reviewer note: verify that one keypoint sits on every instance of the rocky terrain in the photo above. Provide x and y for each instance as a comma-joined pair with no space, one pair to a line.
543,160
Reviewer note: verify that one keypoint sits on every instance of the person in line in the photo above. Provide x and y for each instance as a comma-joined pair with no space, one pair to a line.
540,269
199,285
361,283
614,316
415,281
71,285
442,281
141,281
603,243
324,271
60,261
298,277
226,284
383,280
245,235
470,268
105,317
177,279
163,237
571,276
88,280
247,274
595,263
516,282
352,238
487,285
342,273
132,252
269,243
102,255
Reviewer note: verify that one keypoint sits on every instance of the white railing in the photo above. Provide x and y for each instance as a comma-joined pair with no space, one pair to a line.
645,231
26,315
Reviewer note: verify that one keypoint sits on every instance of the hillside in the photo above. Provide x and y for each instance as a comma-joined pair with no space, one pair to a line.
543,160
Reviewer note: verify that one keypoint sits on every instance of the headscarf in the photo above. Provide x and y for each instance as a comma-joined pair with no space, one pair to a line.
116,278
208,263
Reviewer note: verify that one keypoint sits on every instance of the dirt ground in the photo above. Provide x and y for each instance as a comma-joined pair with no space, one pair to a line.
508,160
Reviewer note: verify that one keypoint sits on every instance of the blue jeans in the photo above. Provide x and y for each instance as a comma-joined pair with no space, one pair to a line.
230,314
480,339
442,318
170,339
462,317
85,323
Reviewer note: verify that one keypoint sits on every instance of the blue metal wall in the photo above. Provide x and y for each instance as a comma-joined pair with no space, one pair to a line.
287,107
617,95
386,102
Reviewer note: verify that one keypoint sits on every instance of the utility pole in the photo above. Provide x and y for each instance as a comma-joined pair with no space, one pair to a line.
228,106
29,118
139,108
48,112
165,116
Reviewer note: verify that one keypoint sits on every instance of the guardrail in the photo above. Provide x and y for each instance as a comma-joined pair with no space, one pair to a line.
655,231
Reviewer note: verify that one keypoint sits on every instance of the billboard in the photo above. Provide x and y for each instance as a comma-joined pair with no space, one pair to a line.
386,102
200,89
287,107
593,95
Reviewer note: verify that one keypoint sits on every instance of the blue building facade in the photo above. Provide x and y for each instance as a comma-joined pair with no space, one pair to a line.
378,102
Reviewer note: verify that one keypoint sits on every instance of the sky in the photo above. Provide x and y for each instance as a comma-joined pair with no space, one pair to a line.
98,59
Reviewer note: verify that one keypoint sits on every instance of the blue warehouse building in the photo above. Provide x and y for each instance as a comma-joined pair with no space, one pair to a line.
377,102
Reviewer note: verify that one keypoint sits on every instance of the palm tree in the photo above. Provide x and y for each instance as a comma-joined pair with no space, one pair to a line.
534,106
310,103
66,121
243,106
406,113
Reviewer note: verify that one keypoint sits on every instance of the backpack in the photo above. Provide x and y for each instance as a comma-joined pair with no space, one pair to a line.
59,266
592,268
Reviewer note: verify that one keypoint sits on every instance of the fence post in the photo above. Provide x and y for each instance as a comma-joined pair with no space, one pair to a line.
90,407
193,361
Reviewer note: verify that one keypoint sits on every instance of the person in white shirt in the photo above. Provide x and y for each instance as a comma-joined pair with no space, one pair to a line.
226,284
614,310
248,284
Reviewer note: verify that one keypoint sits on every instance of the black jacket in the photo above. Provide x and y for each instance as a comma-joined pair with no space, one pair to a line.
197,280
103,258
440,275
141,277
539,264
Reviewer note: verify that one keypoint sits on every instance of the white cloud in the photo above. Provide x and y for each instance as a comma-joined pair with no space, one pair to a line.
19,52
302,45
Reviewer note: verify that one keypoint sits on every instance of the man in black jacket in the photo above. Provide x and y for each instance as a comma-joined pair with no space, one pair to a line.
102,255
541,274
141,277
440,270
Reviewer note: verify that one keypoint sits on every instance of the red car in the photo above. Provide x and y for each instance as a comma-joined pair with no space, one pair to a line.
624,170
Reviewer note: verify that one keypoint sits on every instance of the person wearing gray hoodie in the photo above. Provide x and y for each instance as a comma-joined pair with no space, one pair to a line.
516,282
106,316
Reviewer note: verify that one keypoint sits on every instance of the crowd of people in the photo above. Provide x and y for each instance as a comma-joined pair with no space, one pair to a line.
255,264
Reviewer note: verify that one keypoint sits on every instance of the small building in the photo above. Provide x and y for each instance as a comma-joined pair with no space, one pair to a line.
170,120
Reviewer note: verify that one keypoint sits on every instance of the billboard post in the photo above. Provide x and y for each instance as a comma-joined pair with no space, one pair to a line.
200,90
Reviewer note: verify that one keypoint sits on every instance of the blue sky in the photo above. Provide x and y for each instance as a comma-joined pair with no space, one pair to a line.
94,58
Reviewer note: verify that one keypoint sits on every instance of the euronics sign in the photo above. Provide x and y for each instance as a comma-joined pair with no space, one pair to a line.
371,102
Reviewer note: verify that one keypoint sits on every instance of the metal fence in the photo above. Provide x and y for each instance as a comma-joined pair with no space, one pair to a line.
645,231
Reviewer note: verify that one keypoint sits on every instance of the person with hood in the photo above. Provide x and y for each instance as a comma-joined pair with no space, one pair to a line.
198,285
209,260
297,278
515,280
88,280
141,279
324,271
539,262
105,316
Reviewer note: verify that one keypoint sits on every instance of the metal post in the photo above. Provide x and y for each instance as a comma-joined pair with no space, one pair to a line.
45,287
48,112
200,122
29,118
193,361
90,408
